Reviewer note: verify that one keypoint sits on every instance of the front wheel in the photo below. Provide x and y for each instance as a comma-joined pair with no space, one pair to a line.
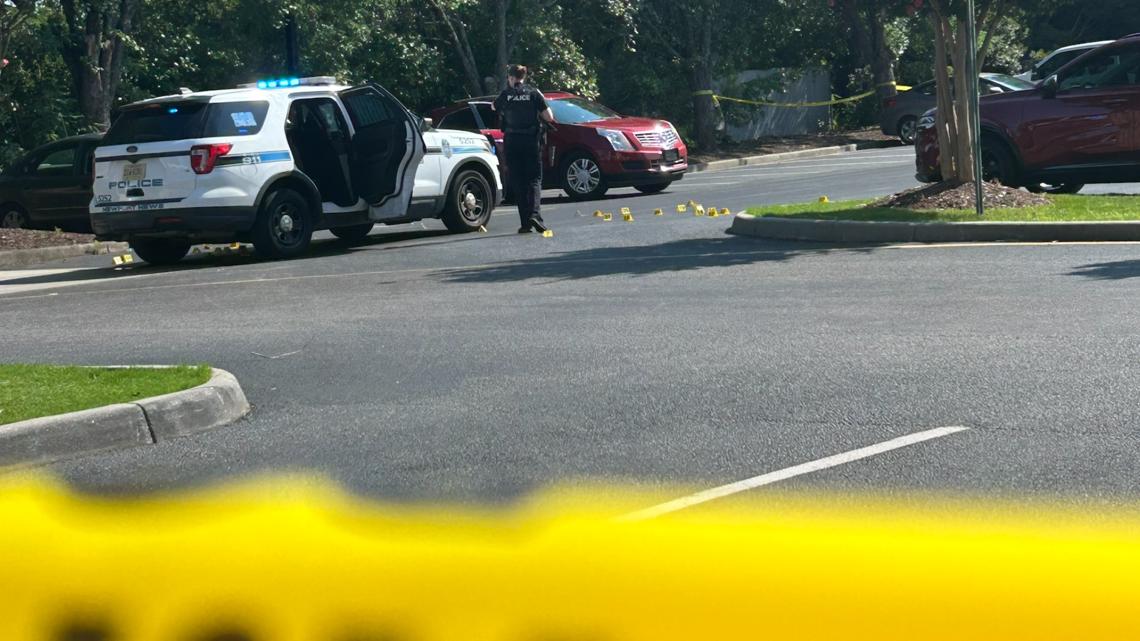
284,225
998,164
582,178
161,251
655,188
470,201
353,233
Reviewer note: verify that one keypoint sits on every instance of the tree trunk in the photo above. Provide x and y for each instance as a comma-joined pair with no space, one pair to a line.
700,80
883,61
964,161
946,123
502,55
94,53
458,38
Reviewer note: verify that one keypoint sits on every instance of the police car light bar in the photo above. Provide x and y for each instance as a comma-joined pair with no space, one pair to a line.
284,83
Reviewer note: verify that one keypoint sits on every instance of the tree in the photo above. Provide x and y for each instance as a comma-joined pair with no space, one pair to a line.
13,15
96,34
867,24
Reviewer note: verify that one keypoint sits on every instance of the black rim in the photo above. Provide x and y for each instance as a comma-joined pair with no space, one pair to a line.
991,166
12,219
287,225
472,198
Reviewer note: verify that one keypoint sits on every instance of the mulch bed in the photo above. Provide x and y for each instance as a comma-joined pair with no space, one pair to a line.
34,239
951,196
776,145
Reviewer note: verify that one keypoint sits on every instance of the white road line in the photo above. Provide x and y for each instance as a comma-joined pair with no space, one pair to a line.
790,472
983,244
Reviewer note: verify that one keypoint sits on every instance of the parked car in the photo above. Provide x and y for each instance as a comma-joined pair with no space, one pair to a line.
900,113
591,149
272,162
1053,62
1081,125
50,186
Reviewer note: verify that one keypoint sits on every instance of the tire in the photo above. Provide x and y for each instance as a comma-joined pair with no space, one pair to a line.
998,163
908,129
161,251
470,201
655,188
13,216
1063,188
582,178
284,225
353,233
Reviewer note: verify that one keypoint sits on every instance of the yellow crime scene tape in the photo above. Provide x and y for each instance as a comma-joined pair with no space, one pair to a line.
717,98
293,560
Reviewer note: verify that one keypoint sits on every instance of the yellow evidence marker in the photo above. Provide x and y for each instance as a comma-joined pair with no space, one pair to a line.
700,211
125,259
682,208
824,200
726,212
658,212
548,234
607,217
598,213
235,246
713,212
627,216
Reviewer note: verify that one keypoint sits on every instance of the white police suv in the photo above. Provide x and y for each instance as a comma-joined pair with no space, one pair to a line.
273,162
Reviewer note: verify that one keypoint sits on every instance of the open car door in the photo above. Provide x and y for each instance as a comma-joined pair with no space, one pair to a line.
387,146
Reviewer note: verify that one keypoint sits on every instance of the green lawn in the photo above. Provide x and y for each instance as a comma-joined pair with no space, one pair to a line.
1064,208
32,391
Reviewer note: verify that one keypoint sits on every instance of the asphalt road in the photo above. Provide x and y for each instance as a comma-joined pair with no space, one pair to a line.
663,351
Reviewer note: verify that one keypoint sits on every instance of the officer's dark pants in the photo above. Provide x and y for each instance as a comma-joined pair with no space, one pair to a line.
524,171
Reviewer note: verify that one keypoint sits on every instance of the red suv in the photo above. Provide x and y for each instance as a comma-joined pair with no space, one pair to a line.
591,149
1081,125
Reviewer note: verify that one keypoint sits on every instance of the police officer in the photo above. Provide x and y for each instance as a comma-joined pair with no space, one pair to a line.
523,110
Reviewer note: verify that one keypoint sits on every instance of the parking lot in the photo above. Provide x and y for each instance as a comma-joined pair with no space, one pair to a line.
660,351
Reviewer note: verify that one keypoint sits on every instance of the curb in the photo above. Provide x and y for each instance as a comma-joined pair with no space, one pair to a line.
23,257
851,231
217,402
719,165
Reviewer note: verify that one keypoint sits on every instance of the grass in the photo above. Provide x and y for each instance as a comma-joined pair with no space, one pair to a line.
1063,209
32,391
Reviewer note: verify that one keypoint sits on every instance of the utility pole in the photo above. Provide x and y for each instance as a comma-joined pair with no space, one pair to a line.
974,106
292,47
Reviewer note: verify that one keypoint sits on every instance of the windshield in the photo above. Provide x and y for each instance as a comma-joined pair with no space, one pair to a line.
1009,82
573,111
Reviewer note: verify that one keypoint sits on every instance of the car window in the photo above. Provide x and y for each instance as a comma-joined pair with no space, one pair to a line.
488,116
464,120
330,116
60,162
1113,68
158,123
85,163
927,88
235,118
367,108
1050,66
573,111
1009,83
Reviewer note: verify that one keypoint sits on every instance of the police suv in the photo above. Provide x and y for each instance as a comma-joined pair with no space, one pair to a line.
272,162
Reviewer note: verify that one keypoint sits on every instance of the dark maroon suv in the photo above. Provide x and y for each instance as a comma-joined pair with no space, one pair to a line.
1081,125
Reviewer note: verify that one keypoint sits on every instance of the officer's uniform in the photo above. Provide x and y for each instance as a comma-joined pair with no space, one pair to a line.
520,107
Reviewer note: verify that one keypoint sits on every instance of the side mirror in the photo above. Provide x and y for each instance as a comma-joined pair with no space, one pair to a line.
1049,87
426,124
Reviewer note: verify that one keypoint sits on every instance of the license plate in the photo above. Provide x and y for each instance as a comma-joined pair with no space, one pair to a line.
135,171
671,155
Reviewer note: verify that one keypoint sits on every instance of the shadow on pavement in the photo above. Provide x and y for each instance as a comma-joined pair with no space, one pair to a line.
1118,270
674,256
210,260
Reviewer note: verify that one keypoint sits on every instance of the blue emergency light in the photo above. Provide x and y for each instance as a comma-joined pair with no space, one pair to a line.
278,82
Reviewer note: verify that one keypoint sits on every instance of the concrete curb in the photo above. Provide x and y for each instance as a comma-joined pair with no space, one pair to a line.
24,257
850,231
731,163
217,402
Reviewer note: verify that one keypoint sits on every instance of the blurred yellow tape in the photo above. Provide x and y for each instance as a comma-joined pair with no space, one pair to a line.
290,561
717,98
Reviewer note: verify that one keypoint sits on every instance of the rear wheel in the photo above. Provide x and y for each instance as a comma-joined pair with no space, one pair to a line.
161,251
469,202
582,178
13,217
1063,188
284,225
353,233
908,129
655,188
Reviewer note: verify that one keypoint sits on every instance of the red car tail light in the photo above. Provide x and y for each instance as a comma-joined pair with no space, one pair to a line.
890,103
203,157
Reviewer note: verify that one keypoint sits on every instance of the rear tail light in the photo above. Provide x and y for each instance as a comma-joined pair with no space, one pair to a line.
890,103
203,157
